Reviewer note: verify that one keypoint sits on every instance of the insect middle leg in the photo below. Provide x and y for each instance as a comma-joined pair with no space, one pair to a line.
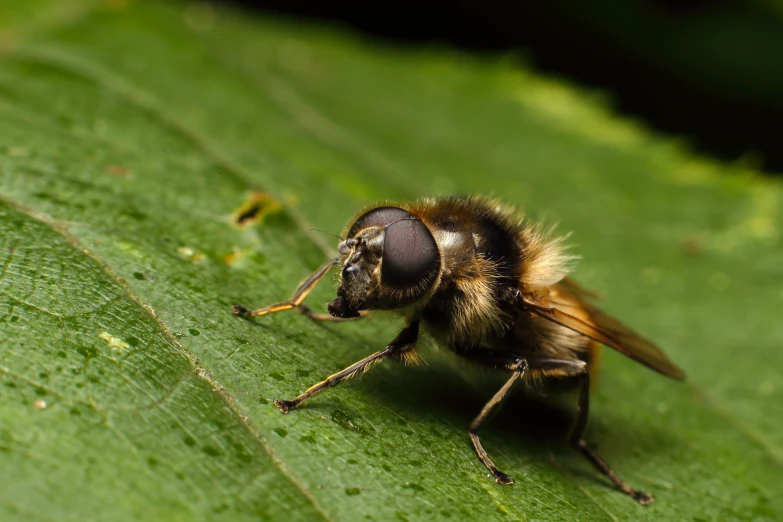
518,366
296,300
404,342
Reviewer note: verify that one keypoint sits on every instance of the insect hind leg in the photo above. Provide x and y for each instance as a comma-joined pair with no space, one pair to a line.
551,368
569,368
579,443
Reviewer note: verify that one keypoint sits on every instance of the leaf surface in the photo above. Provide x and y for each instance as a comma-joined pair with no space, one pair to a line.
131,137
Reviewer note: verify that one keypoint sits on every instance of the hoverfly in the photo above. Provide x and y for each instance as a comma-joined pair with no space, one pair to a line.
488,286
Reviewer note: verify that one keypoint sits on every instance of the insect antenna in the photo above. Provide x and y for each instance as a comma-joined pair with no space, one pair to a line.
327,232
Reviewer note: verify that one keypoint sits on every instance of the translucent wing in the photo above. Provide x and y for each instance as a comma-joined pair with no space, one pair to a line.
565,304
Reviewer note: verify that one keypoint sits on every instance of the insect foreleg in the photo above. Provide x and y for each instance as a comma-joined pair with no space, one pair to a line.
405,341
296,300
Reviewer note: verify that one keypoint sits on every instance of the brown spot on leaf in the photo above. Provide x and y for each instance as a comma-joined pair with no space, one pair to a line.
257,206
116,170
692,245
232,257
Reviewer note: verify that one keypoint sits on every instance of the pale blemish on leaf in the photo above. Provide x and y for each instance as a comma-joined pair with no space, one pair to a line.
189,253
128,248
16,151
40,404
114,342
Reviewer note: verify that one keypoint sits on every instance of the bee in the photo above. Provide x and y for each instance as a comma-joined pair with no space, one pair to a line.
486,285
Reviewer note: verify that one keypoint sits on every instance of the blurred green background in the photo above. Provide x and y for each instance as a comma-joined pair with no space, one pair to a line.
707,71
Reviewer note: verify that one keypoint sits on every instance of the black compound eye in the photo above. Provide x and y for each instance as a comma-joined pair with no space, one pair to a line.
410,255
377,217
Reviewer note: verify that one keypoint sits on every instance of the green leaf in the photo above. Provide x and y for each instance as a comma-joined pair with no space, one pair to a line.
131,134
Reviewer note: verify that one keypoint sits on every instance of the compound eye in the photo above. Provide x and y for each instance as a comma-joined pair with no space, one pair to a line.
410,254
378,217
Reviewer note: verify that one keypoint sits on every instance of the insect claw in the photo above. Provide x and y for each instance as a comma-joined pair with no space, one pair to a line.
283,406
240,310
643,498
502,478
